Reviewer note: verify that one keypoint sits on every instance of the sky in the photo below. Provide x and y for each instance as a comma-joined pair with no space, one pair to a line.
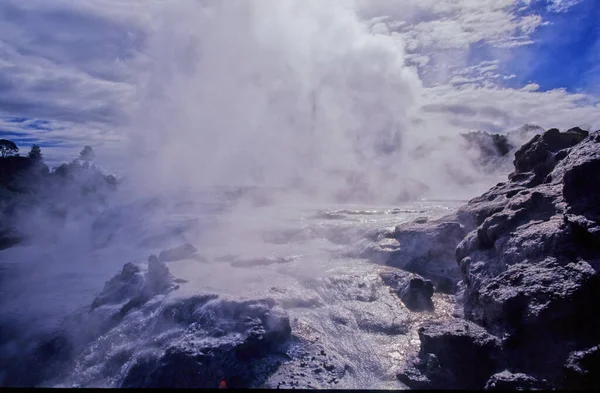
72,72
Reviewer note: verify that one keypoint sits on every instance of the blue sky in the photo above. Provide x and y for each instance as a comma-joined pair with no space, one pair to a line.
70,71
565,52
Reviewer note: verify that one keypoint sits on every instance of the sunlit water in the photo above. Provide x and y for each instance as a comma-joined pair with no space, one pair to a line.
301,255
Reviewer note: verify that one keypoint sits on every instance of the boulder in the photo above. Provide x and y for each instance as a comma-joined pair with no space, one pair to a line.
454,354
414,291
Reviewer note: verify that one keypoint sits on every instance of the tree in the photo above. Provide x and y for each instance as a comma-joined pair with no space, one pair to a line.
87,154
35,153
8,148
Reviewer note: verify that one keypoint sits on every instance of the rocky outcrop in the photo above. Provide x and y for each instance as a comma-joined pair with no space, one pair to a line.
530,264
422,247
132,287
145,340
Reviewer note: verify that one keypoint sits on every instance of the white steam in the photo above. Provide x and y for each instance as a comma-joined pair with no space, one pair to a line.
293,94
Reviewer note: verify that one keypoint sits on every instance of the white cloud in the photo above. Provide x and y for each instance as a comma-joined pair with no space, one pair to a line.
531,87
562,5
500,109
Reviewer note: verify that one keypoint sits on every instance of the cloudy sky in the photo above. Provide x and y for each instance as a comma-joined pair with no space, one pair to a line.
70,69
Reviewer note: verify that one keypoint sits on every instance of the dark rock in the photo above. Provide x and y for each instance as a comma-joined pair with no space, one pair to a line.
454,354
178,253
239,342
582,369
530,263
533,305
414,291
506,380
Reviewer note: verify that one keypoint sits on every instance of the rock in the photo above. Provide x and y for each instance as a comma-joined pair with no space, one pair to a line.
239,342
582,369
132,288
530,263
534,306
506,380
125,285
425,248
454,354
178,253
539,156
159,277
414,291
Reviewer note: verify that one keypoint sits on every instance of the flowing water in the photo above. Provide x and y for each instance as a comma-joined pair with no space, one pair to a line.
303,256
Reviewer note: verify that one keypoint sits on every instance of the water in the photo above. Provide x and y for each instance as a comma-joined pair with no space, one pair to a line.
299,254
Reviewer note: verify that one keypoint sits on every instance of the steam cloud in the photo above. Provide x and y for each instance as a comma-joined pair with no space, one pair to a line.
302,95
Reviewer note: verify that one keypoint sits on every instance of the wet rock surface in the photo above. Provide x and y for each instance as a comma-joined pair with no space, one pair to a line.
238,342
423,247
530,270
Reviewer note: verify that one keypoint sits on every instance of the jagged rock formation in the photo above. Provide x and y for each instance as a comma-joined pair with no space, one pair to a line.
530,266
133,288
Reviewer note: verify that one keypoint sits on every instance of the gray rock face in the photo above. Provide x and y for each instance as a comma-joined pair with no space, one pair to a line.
425,248
454,354
530,268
